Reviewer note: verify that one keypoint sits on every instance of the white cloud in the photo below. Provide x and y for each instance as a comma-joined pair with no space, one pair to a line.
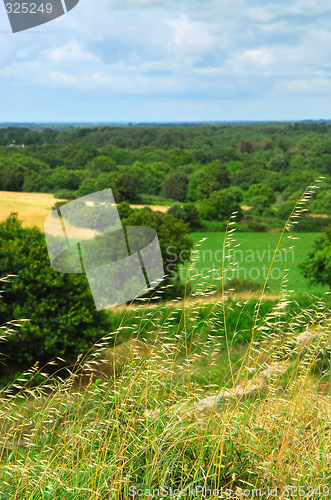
259,57
131,51
191,36
304,87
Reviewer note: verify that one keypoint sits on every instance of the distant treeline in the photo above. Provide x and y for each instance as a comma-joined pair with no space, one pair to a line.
218,167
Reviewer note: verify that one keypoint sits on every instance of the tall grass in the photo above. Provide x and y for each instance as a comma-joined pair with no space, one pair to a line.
180,405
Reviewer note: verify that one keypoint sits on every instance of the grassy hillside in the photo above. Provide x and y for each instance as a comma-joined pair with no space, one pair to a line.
183,408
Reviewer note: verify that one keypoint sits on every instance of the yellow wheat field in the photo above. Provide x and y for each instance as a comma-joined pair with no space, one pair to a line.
32,208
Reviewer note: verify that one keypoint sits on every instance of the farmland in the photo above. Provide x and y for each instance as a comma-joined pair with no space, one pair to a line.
175,388
32,208
253,258
253,255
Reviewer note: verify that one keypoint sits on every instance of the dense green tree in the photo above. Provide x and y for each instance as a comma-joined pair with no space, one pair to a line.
189,213
174,242
278,163
317,268
128,187
62,178
213,177
62,317
14,169
175,187
260,190
221,204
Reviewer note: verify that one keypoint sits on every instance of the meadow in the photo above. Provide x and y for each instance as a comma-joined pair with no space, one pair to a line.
253,257
213,396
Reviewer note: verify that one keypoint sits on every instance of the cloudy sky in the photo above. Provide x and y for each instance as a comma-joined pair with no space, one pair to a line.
164,60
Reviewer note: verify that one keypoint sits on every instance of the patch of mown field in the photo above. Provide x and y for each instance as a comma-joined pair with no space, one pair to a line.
253,257
32,208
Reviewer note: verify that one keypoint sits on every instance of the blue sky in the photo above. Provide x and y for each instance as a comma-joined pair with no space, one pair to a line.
164,60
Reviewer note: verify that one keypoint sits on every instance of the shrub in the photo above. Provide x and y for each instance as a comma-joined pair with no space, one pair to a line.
256,227
65,194
317,267
174,243
188,213
62,317
242,285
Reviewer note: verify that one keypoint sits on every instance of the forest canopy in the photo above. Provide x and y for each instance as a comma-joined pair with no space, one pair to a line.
268,166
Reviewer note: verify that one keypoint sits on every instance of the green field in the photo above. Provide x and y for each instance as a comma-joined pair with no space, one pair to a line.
253,257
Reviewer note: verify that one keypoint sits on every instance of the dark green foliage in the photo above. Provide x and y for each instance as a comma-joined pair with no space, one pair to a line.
125,186
62,317
307,224
213,177
174,242
15,168
286,208
62,178
278,163
175,187
124,209
192,216
322,203
182,163
260,190
188,213
65,194
256,227
317,268
221,204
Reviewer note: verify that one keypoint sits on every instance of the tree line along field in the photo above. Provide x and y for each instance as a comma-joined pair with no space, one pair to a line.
33,208
253,258
218,168
206,392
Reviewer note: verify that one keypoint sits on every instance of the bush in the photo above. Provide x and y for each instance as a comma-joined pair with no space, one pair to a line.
62,317
188,213
65,194
307,224
242,285
256,227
